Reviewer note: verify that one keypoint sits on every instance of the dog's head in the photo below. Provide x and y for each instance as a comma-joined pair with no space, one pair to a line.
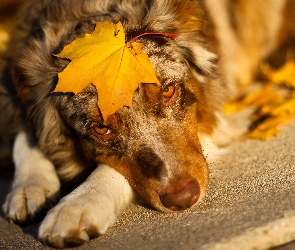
154,143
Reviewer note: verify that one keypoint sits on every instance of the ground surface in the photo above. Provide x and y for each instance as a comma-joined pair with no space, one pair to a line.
250,205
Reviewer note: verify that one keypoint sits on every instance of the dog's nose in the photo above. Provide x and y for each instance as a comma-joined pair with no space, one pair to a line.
181,195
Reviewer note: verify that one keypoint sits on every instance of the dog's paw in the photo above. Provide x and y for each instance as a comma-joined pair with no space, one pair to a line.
76,220
25,203
36,185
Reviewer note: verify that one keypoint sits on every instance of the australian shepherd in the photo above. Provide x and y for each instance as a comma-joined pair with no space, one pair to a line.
62,146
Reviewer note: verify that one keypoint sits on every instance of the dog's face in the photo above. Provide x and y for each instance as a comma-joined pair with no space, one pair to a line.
154,143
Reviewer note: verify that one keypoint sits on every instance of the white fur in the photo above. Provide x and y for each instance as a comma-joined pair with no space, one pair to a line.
211,151
35,185
204,58
216,145
92,207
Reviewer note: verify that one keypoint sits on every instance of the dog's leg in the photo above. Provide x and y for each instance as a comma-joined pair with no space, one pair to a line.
89,210
36,185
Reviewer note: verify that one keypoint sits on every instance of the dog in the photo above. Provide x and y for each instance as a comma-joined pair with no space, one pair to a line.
159,147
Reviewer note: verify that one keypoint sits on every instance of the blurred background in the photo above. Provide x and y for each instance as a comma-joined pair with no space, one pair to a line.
7,16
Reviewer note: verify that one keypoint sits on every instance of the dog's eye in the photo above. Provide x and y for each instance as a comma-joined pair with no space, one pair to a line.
168,92
102,130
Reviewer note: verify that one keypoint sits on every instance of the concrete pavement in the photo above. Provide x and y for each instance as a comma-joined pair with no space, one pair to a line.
250,205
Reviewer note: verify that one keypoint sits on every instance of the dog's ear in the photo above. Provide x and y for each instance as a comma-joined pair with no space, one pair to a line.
192,33
203,59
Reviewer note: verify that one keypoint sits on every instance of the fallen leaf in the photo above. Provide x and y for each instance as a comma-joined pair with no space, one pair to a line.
284,75
232,106
286,108
259,134
269,127
267,94
6,25
4,37
274,102
259,98
103,59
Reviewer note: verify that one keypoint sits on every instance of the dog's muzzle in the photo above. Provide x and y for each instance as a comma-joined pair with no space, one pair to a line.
181,195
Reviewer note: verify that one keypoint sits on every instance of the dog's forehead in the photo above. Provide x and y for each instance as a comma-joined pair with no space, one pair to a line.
168,60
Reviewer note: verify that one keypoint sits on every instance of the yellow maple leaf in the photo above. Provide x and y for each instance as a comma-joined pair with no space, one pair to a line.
104,59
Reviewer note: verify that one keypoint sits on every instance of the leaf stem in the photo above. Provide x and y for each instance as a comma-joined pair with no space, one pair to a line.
153,33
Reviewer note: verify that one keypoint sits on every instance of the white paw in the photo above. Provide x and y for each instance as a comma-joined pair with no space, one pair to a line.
36,185
25,203
77,219
88,211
